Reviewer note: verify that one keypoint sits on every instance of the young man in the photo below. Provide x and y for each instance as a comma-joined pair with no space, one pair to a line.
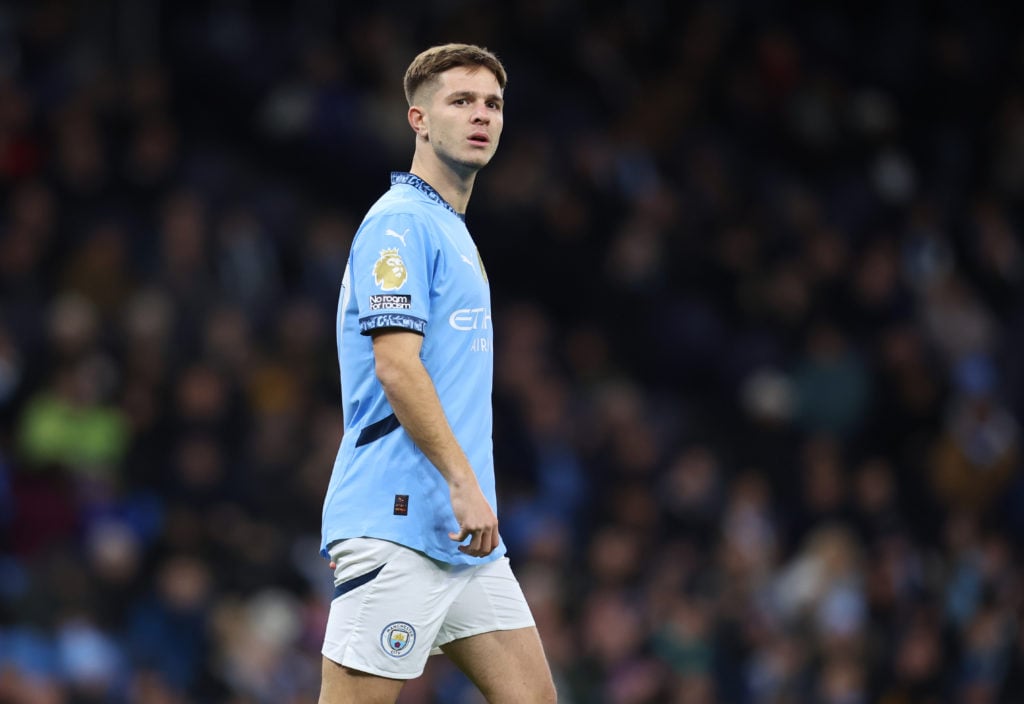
409,518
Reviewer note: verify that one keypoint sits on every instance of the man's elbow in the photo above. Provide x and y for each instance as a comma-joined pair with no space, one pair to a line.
390,372
396,358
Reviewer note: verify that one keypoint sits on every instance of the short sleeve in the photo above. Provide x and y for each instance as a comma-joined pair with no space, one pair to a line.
392,268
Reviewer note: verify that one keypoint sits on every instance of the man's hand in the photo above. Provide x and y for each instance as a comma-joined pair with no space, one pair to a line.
475,518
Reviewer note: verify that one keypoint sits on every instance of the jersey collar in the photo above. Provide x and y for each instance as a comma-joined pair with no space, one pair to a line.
424,188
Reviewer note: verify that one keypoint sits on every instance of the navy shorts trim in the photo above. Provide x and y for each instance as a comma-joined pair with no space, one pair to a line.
355,582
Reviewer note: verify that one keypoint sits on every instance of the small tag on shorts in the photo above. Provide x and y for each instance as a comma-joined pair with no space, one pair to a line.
401,504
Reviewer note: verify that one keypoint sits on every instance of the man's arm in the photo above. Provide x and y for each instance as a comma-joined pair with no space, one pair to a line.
413,398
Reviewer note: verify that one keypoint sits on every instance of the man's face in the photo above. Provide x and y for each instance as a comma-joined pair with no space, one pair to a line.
464,117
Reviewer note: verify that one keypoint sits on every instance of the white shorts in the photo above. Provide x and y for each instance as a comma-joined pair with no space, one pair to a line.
394,606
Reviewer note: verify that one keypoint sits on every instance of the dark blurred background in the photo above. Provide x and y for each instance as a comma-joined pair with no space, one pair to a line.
759,303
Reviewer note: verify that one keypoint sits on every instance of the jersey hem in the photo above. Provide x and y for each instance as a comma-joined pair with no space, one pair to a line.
446,558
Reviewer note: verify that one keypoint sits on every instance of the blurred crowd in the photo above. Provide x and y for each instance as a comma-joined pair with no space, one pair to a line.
758,276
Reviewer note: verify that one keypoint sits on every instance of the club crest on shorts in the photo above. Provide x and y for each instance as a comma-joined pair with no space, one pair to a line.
389,272
397,639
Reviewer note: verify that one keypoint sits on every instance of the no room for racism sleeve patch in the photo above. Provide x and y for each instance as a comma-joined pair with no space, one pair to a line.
391,301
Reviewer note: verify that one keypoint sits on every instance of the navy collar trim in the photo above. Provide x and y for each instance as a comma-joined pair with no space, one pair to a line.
424,188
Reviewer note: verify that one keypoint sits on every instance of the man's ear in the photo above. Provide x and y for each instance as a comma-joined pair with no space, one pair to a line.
418,121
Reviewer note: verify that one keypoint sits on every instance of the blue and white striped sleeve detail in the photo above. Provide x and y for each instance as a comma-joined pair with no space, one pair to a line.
385,321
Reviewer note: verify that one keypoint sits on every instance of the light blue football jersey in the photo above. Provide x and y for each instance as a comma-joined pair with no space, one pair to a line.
413,265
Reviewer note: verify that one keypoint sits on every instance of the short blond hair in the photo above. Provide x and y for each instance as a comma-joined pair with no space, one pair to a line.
429,64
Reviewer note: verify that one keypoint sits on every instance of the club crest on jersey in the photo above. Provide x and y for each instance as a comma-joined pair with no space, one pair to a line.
389,272
397,639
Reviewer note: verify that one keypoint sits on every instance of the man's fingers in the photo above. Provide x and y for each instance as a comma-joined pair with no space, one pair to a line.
474,545
483,543
488,541
484,540
460,536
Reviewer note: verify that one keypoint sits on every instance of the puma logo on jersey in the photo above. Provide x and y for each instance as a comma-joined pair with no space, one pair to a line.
401,237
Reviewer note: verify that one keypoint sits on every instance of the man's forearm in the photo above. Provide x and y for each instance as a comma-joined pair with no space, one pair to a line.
413,397
411,393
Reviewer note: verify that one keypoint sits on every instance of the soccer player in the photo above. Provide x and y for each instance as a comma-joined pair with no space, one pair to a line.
409,518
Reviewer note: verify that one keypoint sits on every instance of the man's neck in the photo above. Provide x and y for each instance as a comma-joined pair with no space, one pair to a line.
454,188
